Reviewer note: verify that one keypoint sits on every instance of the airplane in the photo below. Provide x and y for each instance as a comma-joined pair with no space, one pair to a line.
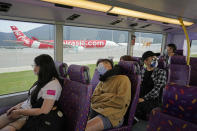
45,44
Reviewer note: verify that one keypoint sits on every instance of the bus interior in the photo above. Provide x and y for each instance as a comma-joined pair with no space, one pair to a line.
94,29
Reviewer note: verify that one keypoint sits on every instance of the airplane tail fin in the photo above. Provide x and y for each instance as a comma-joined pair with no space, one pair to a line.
21,37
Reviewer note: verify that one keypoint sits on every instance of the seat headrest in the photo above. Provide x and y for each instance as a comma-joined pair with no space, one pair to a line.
135,59
179,52
131,66
181,60
61,69
79,73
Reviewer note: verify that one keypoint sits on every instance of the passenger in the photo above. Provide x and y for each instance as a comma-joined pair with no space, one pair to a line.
126,58
111,98
153,80
170,51
39,111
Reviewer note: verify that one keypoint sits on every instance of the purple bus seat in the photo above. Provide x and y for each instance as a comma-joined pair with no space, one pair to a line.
79,73
160,121
162,63
75,104
4,109
179,52
130,70
178,71
95,79
137,59
193,76
181,102
182,60
61,69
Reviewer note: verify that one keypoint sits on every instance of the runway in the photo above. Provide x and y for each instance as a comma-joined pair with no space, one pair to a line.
12,60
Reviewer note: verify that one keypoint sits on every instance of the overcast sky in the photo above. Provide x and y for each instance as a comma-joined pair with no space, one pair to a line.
23,26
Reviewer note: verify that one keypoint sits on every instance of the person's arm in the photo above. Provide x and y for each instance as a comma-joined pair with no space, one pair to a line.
45,109
51,93
119,100
160,83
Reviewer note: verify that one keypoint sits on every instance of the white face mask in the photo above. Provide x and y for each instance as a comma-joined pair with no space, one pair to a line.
101,69
154,63
35,73
165,52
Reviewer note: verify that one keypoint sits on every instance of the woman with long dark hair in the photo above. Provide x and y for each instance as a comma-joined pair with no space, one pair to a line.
40,111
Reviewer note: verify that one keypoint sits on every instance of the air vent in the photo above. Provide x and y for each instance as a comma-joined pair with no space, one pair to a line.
145,26
167,29
73,17
115,22
142,19
165,23
4,7
111,14
63,6
134,24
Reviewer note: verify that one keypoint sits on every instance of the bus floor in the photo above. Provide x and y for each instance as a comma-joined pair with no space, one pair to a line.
140,126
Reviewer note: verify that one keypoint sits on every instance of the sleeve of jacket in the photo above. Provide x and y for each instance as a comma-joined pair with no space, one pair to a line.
123,96
160,83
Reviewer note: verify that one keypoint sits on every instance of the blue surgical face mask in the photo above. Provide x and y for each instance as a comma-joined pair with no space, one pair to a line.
154,63
101,69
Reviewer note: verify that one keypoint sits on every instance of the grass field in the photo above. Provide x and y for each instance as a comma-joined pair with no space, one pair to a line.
22,81
194,55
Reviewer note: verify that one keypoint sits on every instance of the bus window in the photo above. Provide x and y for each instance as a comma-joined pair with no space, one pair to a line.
20,43
145,42
86,45
194,48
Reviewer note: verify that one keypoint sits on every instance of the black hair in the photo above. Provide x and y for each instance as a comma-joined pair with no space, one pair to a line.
105,60
173,46
47,72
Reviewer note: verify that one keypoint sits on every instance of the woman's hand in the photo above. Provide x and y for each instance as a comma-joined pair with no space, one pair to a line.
15,114
141,100
12,109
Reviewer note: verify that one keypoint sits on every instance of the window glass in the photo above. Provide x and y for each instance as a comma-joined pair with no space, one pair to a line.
193,48
84,46
145,42
20,43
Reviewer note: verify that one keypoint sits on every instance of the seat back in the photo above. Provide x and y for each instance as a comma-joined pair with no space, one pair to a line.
162,63
75,104
95,79
62,69
130,69
193,75
181,102
178,71
160,121
179,52
79,73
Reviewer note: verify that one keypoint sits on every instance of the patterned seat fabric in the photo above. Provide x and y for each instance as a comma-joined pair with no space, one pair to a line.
75,104
179,72
61,69
181,102
129,69
163,122
79,73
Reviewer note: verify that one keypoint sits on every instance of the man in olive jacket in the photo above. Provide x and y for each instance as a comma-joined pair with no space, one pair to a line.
111,98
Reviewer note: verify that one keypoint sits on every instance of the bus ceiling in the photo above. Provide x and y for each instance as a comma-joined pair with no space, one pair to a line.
160,16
